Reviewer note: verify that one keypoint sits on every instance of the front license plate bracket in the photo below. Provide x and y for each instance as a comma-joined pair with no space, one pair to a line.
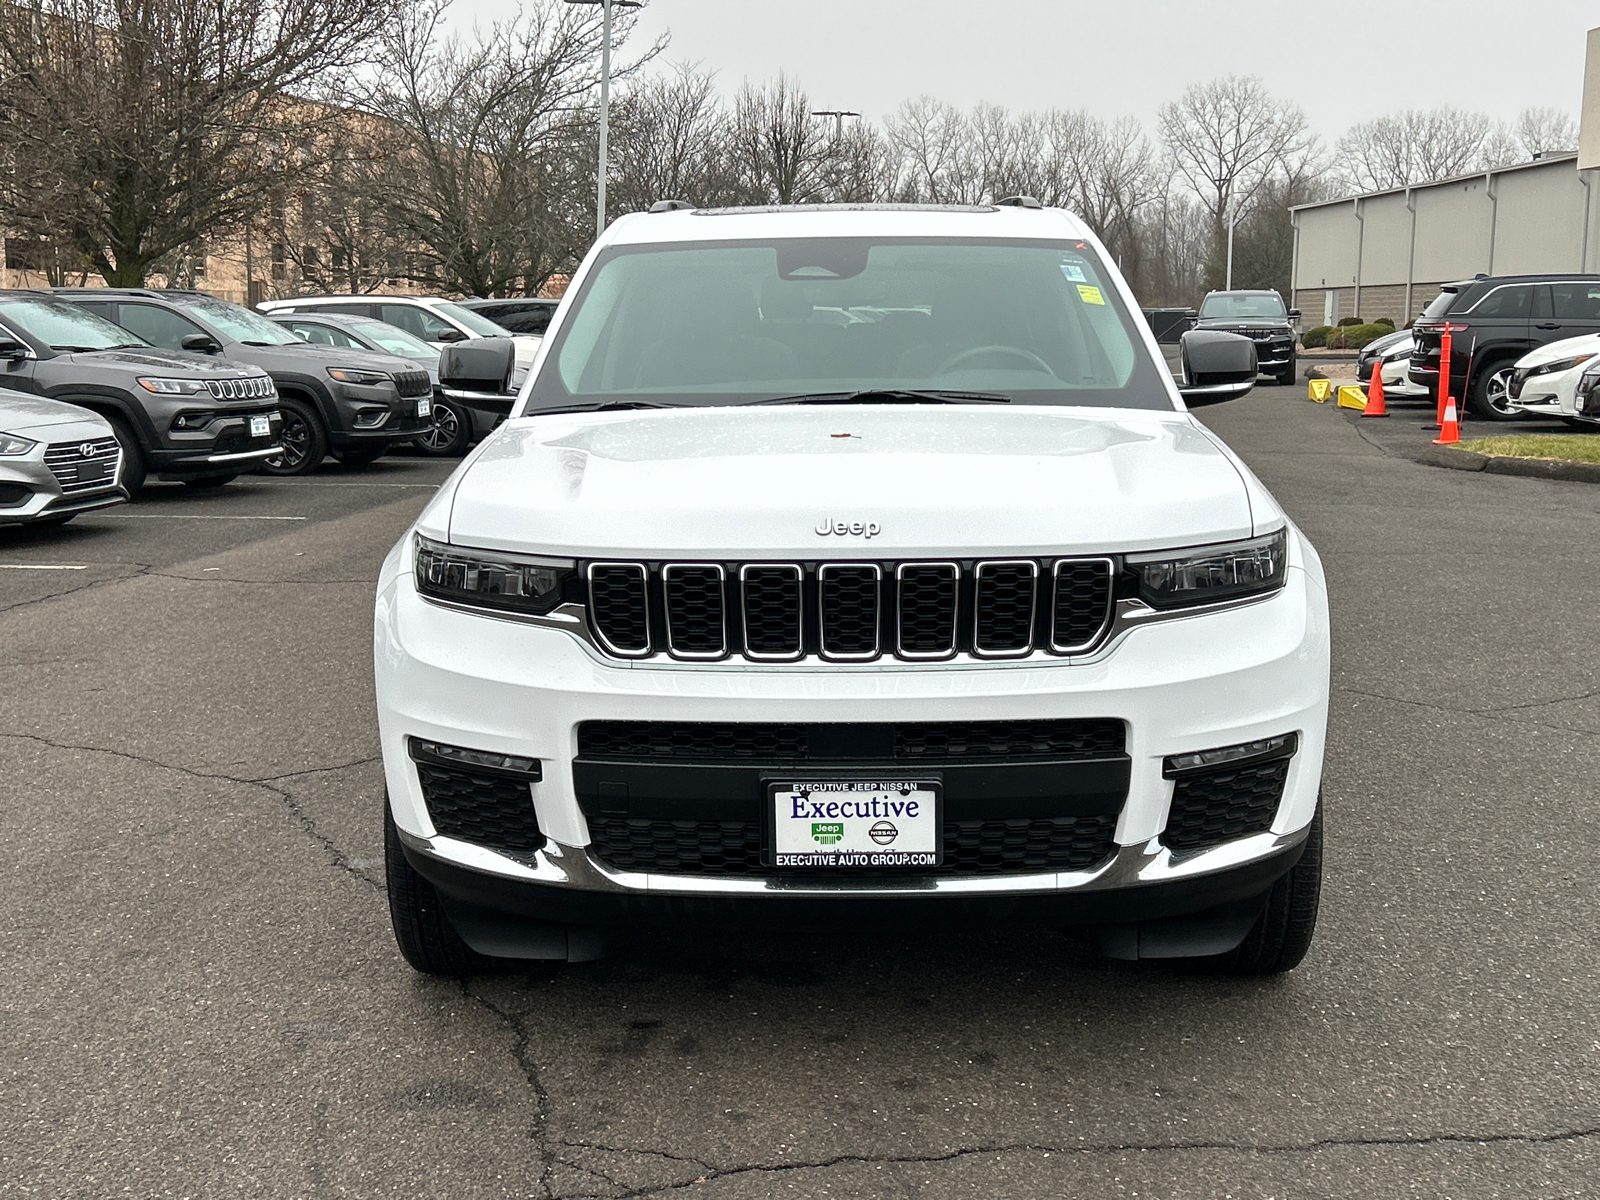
860,823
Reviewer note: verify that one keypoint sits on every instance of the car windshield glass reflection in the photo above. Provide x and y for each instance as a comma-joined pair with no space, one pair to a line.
66,326
1242,306
725,323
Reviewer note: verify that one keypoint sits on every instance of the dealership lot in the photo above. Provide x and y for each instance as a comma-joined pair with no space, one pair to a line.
202,995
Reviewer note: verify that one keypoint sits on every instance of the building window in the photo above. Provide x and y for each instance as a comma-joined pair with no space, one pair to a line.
280,267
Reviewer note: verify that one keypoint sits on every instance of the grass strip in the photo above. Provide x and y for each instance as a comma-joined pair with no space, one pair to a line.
1566,447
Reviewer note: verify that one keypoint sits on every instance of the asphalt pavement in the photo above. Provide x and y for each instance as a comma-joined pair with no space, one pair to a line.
201,996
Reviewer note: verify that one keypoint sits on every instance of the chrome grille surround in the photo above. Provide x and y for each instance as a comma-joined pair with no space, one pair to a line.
908,575
751,589
863,577
251,387
607,583
64,458
991,582
1063,646
680,584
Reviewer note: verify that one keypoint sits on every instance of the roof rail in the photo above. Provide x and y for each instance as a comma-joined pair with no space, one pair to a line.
1019,202
661,206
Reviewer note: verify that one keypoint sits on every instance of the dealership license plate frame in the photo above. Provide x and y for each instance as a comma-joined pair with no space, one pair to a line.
260,427
425,407
858,785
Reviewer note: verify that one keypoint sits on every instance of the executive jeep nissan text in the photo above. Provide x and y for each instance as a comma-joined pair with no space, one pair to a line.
853,563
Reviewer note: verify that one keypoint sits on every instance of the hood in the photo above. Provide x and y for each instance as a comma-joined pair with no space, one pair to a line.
1386,343
1231,324
153,358
761,482
1589,343
24,414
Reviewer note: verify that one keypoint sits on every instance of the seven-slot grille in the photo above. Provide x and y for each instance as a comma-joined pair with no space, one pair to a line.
851,611
251,387
413,383
66,461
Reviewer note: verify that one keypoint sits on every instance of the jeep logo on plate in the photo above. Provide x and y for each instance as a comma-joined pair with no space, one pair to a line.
845,528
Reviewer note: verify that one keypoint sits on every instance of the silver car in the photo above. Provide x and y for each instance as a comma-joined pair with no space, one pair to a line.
56,461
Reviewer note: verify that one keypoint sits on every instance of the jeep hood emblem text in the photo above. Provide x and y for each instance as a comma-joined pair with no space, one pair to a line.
843,528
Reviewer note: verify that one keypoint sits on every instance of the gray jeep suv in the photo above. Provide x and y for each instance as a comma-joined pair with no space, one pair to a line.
176,415
354,404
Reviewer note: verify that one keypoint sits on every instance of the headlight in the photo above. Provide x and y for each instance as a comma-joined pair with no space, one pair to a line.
1395,356
1564,364
11,444
1588,390
363,378
490,579
1208,574
173,387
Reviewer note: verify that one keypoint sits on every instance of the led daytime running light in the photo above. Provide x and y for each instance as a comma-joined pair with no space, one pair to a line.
1212,574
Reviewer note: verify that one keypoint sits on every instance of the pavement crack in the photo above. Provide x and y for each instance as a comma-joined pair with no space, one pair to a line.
140,570
344,766
1376,1141
1489,710
337,857
521,1050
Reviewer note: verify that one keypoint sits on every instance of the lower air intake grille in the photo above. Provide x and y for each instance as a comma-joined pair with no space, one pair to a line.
488,810
1016,846
1220,806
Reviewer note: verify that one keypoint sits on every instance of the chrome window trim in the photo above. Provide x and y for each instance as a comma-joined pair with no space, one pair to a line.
1106,618
899,624
1033,606
599,635
668,570
877,628
799,615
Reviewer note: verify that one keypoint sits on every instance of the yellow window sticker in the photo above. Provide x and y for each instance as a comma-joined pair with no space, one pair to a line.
1090,294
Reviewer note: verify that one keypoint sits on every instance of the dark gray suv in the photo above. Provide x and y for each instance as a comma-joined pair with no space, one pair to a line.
177,415
353,404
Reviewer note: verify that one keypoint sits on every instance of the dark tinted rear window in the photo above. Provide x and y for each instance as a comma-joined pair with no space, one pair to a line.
1441,303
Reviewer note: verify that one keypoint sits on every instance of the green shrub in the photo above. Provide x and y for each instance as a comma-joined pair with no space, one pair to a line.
1353,337
1316,336
1347,322
1389,321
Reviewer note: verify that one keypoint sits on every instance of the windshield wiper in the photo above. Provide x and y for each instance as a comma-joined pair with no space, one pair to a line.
81,349
890,396
606,406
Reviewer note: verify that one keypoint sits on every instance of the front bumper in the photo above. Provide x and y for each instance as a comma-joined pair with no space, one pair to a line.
225,445
1226,677
31,491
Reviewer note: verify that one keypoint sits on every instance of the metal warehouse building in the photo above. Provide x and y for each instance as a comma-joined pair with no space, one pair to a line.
1386,253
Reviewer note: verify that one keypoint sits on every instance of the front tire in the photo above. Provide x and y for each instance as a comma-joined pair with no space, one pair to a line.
1491,392
449,434
133,468
305,442
364,457
424,934
1282,934
205,483
1286,376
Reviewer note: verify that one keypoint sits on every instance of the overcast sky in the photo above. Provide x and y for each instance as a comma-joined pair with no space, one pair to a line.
1340,63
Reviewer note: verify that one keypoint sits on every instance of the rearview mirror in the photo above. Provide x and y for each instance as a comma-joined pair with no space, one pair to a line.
1217,366
199,343
477,373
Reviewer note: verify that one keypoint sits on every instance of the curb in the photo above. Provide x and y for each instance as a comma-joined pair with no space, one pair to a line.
1535,468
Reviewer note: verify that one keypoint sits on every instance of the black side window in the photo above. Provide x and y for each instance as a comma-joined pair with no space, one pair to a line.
1506,304
339,310
158,326
1576,301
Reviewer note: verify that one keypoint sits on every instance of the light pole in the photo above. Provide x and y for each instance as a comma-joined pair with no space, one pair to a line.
605,101
838,115
1232,220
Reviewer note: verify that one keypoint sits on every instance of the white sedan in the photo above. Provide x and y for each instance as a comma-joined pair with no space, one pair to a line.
1545,381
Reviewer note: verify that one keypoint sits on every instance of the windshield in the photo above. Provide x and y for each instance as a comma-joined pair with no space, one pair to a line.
1232,304
732,322
392,339
467,319
232,321
63,326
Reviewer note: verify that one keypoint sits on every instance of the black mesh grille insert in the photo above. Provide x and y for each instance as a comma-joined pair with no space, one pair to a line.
619,606
928,596
772,626
1082,603
696,625
1016,846
1004,601
1219,806
849,601
489,810
920,742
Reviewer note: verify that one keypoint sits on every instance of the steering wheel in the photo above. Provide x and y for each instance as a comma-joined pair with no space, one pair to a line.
1028,356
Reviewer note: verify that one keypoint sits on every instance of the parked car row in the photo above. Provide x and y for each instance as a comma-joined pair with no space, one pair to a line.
105,388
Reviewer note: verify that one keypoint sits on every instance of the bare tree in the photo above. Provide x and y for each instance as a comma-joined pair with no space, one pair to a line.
1543,130
1416,146
777,146
930,139
136,127
666,135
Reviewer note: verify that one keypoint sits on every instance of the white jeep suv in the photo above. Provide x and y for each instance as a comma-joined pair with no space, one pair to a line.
853,564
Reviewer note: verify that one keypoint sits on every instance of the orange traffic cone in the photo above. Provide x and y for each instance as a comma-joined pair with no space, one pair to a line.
1375,394
1449,430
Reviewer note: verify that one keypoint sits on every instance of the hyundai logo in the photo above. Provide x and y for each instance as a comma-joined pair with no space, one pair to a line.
87,449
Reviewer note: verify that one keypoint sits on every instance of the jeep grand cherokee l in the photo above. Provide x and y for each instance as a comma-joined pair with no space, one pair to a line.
175,415
750,616
353,404
1261,317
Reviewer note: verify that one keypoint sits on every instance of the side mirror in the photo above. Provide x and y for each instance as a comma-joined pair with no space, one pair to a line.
450,335
477,373
1294,314
11,350
199,343
1217,366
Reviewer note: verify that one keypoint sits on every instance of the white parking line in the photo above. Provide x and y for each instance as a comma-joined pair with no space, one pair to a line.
190,517
39,567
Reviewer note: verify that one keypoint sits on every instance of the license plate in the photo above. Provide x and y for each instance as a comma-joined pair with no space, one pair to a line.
92,470
424,408
260,427
856,823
